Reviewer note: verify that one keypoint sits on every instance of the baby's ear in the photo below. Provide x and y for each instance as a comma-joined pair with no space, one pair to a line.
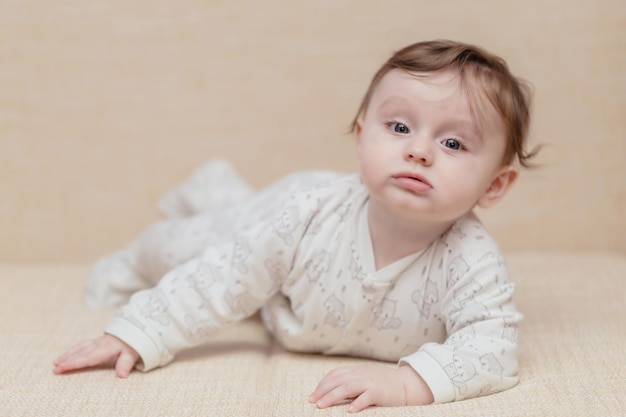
499,186
356,131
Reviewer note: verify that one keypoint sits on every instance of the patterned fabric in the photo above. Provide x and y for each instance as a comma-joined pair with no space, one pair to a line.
303,256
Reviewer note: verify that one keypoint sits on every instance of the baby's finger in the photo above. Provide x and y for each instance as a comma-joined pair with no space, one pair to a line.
72,351
125,363
323,388
329,382
87,357
338,395
361,402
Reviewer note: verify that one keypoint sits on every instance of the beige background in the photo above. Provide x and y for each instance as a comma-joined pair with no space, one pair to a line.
105,105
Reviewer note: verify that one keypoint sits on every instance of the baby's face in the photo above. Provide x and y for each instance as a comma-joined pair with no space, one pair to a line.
421,151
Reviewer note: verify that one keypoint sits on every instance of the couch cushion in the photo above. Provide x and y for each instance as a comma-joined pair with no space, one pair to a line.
572,339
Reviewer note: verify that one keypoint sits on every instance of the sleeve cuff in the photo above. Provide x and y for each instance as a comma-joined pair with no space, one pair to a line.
132,335
433,374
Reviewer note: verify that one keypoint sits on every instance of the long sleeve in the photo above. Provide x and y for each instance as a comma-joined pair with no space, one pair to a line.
479,355
226,283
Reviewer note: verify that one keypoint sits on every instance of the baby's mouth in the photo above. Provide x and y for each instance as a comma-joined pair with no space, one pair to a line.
412,182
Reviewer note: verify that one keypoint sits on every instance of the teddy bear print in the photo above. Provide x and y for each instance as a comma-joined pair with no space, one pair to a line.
286,223
202,280
427,298
344,211
460,371
317,265
490,255
473,311
460,338
241,304
154,305
457,231
384,315
465,300
490,364
457,268
467,291
276,270
335,312
199,330
354,266
510,333
241,252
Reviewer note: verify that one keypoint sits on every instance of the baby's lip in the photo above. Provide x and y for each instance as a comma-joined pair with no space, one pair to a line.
412,176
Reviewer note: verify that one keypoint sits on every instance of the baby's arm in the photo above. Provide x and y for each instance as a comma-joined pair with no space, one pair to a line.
99,351
372,385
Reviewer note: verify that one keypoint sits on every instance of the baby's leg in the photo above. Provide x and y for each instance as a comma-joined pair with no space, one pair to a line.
165,245
220,198
113,278
211,189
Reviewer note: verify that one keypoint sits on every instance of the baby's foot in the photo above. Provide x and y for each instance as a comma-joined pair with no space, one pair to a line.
113,279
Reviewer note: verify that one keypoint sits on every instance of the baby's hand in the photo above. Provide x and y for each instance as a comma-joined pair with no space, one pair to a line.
371,385
97,352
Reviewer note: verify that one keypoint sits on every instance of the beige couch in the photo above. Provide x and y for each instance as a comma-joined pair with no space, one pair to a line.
104,106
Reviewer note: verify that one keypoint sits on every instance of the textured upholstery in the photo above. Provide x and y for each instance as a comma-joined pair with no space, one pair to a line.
571,359
105,106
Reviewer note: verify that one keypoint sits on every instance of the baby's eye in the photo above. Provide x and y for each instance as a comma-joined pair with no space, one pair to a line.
452,144
399,128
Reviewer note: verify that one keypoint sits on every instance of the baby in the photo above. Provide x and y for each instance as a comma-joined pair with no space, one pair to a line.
390,263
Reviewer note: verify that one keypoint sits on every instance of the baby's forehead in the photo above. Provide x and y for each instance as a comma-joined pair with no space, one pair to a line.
403,88
443,84
399,85
477,91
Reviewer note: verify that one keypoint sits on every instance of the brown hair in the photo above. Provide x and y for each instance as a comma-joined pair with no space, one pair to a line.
489,78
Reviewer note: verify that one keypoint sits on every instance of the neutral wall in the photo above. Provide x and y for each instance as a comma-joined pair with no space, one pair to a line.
106,105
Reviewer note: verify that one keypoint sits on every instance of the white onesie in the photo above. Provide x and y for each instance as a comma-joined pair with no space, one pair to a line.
304,258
